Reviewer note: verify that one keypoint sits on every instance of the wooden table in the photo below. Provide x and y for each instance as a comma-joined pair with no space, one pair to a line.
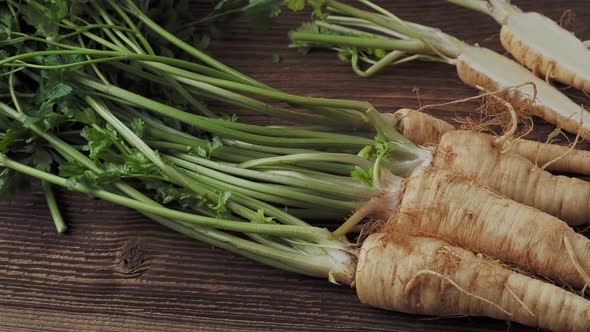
115,270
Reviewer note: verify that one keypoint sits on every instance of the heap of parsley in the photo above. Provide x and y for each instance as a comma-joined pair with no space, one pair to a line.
110,98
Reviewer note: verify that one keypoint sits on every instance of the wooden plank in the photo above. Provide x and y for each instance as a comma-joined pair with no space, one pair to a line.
115,270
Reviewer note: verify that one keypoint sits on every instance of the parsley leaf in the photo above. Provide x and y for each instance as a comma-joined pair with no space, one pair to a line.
206,152
262,219
11,182
276,58
220,208
365,177
138,126
98,141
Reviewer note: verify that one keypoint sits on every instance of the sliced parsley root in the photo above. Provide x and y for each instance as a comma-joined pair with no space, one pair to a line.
538,42
379,38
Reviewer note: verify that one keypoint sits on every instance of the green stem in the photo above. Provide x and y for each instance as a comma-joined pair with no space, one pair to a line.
58,220
280,191
176,176
186,47
222,127
356,193
262,148
378,19
411,45
192,77
477,5
303,232
349,224
377,170
305,157
119,54
382,63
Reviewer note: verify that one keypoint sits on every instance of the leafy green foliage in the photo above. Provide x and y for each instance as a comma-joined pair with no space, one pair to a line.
381,146
212,145
39,157
363,176
8,138
276,58
46,16
167,193
132,165
220,208
381,150
262,219
45,116
12,182
73,111
138,126
176,17
7,24
19,144
99,141
345,52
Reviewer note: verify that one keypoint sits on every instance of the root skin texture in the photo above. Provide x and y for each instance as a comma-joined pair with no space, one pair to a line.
475,156
421,128
547,49
420,275
481,67
572,161
441,203
424,129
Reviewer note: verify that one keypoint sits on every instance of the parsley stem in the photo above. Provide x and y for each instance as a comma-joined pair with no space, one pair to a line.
186,47
302,232
189,78
293,179
107,56
281,191
224,128
379,19
56,215
176,176
247,248
305,157
412,45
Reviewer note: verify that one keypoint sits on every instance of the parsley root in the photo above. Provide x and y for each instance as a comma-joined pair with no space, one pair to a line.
426,276
448,205
538,42
366,36
424,129
476,156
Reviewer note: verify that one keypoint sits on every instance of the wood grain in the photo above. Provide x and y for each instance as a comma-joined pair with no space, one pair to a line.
114,270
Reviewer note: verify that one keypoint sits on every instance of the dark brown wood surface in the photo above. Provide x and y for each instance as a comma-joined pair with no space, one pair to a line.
114,270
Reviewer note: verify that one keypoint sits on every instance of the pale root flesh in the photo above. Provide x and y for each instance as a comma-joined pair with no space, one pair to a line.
546,48
454,208
430,277
481,67
425,129
476,156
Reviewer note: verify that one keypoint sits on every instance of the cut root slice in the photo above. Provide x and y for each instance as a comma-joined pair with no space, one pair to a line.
547,49
420,275
481,67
